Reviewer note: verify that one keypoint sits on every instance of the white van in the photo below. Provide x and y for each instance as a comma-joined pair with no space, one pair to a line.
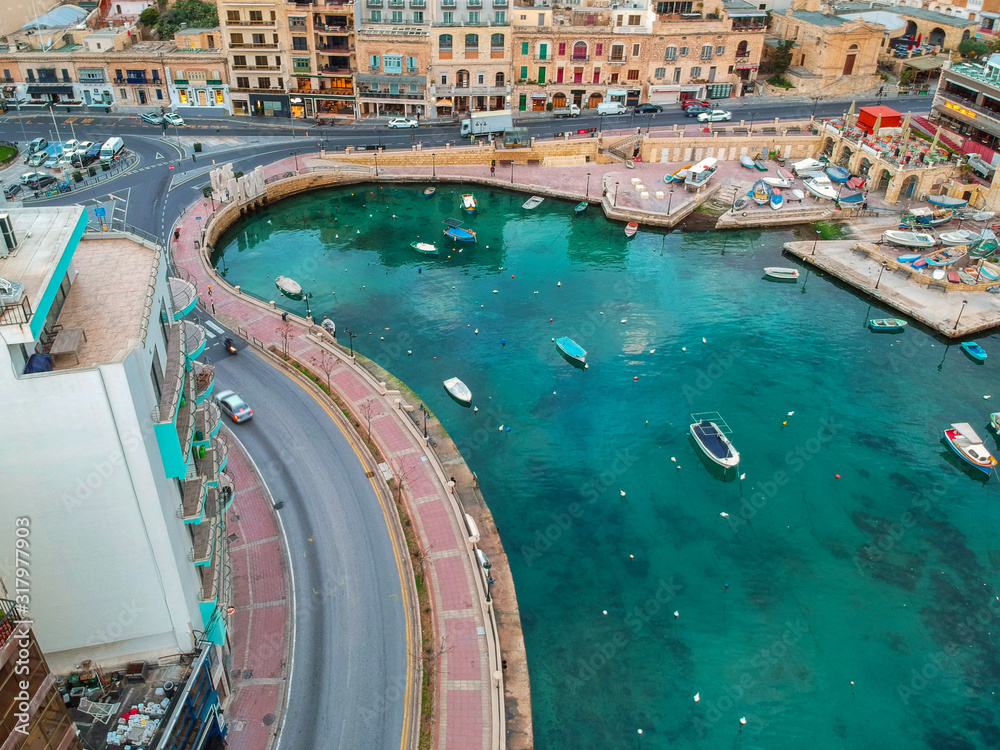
610,108
111,148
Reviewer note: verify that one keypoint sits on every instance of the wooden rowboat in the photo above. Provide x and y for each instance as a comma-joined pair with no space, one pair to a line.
887,324
631,228
581,207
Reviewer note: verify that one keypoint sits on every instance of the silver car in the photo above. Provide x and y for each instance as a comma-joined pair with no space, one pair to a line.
233,406
402,122
716,115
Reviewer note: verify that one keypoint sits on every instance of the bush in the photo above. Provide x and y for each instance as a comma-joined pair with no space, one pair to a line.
150,17
196,14
197,148
548,107
972,49
78,176
105,166
91,171
237,174
207,191
780,82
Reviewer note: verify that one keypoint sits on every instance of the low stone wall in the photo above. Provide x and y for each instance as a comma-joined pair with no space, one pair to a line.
729,147
478,155
766,217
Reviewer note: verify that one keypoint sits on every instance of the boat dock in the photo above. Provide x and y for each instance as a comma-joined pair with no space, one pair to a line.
803,212
954,311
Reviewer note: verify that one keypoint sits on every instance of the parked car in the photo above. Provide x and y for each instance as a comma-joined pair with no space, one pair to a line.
648,109
69,147
41,182
402,122
153,118
37,145
84,146
233,406
11,191
696,103
31,177
37,159
715,115
695,110
82,160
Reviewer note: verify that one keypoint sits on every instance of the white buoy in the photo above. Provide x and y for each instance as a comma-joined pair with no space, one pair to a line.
553,393
791,413
704,340
605,611
536,292
409,351
475,408
743,721
674,459
652,351
677,613
558,283
495,291
624,320
684,348
476,331
724,514
623,492
743,476
639,731
697,697
500,429
382,338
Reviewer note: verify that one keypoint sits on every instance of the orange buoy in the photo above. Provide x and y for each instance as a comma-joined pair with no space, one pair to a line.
838,476
636,377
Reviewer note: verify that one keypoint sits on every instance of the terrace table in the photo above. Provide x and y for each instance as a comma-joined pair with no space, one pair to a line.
68,342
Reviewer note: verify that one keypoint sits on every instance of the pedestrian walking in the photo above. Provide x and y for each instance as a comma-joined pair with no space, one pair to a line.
493,171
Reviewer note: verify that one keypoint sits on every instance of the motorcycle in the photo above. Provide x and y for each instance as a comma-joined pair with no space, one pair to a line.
230,346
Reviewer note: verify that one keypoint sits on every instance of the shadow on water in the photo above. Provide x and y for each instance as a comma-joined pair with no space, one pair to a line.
717,472
970,471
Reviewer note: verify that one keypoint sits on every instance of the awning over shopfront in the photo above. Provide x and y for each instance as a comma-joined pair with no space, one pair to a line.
37,90
746,67
926,62
444,103
539,96
617,92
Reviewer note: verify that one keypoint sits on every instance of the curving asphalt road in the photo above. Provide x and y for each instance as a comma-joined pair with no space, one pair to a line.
350,654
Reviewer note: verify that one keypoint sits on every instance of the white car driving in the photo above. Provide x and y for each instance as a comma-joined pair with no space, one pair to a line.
716,115
402,122
172,118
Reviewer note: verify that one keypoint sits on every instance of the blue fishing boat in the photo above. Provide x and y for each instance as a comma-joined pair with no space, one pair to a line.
974,350
887,324
715,444
962,439
572,351
428,192
947,201
909,258
459,234
761,193
581,207
838,174
852,199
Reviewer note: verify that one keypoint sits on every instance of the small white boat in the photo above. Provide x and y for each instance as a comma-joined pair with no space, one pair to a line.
982,216
458,391
631,228
533,202
938,274
469,203
778,182
908,239
795,195
289,287
782,274
959,237
821,189
424,247
428,192
715,444
962,439
699,175
807,165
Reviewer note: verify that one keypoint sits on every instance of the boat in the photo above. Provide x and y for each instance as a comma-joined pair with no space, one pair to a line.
571,350
988,272
781,274
974,350
428,192
458,391
759,165
459,234
820,189
887,324
938,274
982,215
838,174
746,161
853,200
715,444
784,174
797,195
631,228
533,202
581,207
920,262
777,199
908,258
469,203
967,278
969,447
946,257
924,217
678,175
953,277
959,237
806,165
424,247
778,182
908,239
289,287
947,201
699,175
740,203
995,421
761,193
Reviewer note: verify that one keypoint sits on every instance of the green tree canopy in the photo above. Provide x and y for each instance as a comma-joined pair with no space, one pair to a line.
150,17
195,13
973,49
779,60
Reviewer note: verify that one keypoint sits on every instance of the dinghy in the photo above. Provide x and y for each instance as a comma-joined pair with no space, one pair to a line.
924,217
887,324
908,239
781,274
759,165
715,444
784,174
571,350
428,192
938,274
851,200
946,201
740,203
974,350
761,193
289,287
454,231
820,189
746,162
796,195
469,203
581,207
806,165
424,247
946,257
778,182
962,439
959,237
458,391
838,174
920,262
777,199
953,277
631,228
533,202
909,258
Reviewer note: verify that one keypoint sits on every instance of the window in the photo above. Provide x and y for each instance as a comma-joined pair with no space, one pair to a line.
239,61
660,73
671,53
376,16
472,41
522,100
393,63
524,48
720,51
236,40
711,74
481,79
524,73
496,41
559,75
613,78
397,16
635,50
31,75
444,79
719,91
562,49
543,51
444,42
258,38
411,65
696,72
541,19
672,8
123,94
418,16
300,64
65,75
706,52
296,22
259,60
500,17
264,82
6,75
232,16
242,82
599,50
256,16
448,17
742,49
394,88
633,75
414,89
579,50
635,20
617,52
373,62
684,51
473,18
156,373
159,93
597,75
500,80
156,76
677,75
541,75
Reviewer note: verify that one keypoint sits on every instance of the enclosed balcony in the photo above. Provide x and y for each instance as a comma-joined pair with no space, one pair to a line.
203,541
173,377
211,459
183,295
193,499
194,338
185,417
207,422
204,381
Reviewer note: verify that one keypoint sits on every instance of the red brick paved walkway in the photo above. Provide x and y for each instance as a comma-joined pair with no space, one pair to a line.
464,703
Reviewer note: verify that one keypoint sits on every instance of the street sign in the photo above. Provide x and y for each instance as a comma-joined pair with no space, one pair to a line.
100,211
171,167
197,218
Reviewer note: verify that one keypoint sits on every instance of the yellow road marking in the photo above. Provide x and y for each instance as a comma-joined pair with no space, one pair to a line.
400,568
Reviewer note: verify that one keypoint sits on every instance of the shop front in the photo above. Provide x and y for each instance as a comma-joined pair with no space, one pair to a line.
617,95
269,105
45,94
538,102
210,93
632,97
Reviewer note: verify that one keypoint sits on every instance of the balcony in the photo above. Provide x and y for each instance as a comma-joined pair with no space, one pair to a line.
173,377
210,459
194,338
203,541
9,618
474,3
387,95
254,45
183,296
500,3
953,106
204,380
336,72
418,4
252,90
337,49
185,417
256,67
255,24
397,3
193,500
373,3
743,24
207,422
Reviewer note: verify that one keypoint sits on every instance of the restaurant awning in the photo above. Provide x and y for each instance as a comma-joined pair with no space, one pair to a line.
444,103
746,67
64,90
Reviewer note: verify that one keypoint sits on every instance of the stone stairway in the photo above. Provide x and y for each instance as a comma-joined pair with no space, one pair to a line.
623,149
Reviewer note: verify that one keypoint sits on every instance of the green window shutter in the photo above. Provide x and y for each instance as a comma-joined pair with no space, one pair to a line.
541,75
524,48
542,51
524,72
522,103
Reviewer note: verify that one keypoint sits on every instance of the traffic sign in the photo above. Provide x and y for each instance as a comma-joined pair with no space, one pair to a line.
100,211
171,167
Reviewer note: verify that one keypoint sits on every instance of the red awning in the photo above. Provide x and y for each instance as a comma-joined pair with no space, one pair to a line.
747,67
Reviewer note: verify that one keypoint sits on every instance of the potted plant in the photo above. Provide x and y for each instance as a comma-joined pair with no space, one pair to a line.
197,148
78,176
91,171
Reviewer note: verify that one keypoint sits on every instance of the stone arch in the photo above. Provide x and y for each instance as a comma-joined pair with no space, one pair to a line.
742,49
500,80
936,37
828,145
908,187
966,35
594,100
559,100
864,166
911,28
845,156
581,50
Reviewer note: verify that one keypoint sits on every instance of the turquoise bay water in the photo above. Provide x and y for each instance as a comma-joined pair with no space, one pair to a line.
886,577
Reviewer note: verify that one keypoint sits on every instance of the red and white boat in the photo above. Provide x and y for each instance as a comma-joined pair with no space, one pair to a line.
631,228
969,447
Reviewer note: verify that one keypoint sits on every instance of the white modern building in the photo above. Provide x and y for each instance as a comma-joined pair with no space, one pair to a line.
111,448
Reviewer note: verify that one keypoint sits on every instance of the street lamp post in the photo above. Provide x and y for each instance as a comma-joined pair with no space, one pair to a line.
489,581
670,199
588,184
752,115
512,171
614,203
295,153
816,241
308,309
351,335
52,111
881,270
433,167
376,163
424,412
964,303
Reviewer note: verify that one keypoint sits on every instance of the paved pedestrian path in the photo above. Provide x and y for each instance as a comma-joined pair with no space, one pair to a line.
260,627
466,704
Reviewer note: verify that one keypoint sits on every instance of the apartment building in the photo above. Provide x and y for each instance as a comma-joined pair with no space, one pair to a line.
967,102
119,457
393,69
195,70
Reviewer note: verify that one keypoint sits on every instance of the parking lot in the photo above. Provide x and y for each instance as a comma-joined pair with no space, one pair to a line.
51,168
